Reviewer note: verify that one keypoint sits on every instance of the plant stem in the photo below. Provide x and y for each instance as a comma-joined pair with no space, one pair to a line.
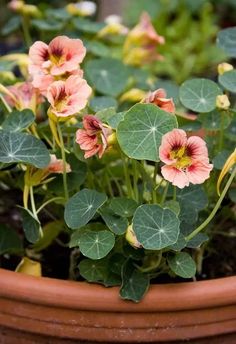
174,193
26,32
135,183
8,108
221,136
63,155
32,201
164,193
212,214
127,177
154,193
48,202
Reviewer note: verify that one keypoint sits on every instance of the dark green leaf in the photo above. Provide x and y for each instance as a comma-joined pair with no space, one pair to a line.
115,223
123,206
197,241
93,270
31,226
18,120
9,241
155,227
20,147
96,244
102,102
182,264
226,39
81,208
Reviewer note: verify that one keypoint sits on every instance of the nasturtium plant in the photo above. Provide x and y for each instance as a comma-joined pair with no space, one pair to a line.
110,171
199,94
140,133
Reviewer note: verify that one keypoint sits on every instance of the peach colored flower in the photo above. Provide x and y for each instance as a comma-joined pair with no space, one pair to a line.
93,138
42,81
186,159
68,97
56,165
62,55
23,96
158,98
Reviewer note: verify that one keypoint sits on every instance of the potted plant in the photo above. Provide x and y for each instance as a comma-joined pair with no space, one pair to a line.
124,196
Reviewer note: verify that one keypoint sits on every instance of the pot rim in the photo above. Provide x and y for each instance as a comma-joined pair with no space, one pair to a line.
88,296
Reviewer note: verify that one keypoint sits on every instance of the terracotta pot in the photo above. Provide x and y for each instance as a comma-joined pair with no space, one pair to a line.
44,310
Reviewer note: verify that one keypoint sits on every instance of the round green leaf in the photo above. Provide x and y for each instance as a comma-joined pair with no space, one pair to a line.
102,102
226,40
199,94
86,25
197,240
93,270
155,227
82,207
141,131
182,264
96,244
18,120
214,120
115,223
134,283
108,76
47,25
123,206
20,147
228,80
97,48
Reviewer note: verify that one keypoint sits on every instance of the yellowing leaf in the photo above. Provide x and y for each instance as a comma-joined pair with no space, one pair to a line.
29,267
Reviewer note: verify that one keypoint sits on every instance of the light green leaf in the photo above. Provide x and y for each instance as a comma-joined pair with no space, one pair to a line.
214,120
97,48
9,241
18,120
115,223
123,206
47,25
228,80
86,25
155,227
96,244
231,131
102,102
108,76
93,270
199,94
50,231
82,207
134,283
114,120
182,264
141,131
31,226
226,40
105,114
21,147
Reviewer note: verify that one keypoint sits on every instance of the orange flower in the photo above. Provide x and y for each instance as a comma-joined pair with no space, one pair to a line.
158,98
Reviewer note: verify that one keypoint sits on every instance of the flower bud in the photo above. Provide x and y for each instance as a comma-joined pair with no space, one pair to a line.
224,67
133,95
29,267
131,237
222,102
83,8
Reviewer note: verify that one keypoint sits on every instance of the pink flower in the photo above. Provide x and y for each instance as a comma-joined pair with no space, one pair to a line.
61,56
146,32
56,165
24,96
93,138
68,97
186,159
42,81
158,98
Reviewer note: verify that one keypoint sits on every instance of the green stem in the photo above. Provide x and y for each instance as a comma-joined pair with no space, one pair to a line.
48,202
8,108
108,182
135,183
34,209
164,193
127,177
26,32
63,155
174,193
154,193
221,136
212,214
